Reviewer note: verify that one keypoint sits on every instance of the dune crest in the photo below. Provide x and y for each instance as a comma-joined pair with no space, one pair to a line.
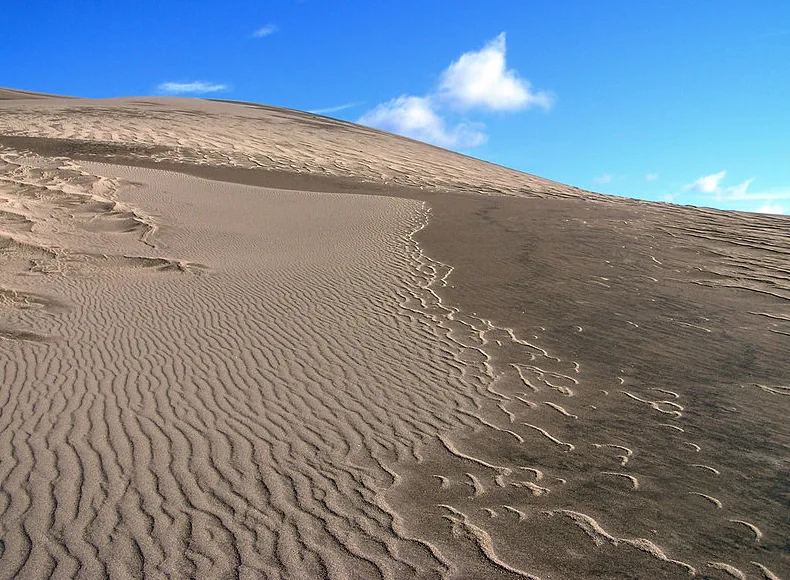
245,135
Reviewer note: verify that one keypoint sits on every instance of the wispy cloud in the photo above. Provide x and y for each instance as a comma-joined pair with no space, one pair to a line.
605,178
416,117
477,80
336,108
741,192
651,176
711,184
771,208
736,191
710,188
192,87
265,31
775,33
707,184
481,79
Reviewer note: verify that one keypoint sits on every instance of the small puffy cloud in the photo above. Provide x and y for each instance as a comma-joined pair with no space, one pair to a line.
771,208
605,178
416,117
651,176
265,31
482,79
707,184
194,87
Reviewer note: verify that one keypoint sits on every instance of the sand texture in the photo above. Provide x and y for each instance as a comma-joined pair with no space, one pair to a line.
238,341
244,135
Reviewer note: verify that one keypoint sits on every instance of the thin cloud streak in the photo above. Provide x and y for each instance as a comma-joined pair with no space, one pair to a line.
774,34
605,178
335,109
265,31
192,87
709,188
777,194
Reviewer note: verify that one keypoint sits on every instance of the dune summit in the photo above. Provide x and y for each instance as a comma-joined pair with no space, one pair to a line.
243,341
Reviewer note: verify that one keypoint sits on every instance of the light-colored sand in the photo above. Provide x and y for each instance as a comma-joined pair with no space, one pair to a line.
221,394
202,379
258,136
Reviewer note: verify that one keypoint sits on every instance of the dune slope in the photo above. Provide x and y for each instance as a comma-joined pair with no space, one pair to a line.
241,341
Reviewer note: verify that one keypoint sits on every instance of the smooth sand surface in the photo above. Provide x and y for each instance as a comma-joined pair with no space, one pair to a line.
265,344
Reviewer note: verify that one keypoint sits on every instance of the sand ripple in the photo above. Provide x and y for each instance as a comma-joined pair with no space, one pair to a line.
257,136
208,380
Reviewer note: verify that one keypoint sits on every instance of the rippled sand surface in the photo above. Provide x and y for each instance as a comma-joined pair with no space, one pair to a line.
248,135
212,379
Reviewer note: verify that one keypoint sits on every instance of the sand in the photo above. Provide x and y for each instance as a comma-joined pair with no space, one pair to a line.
241,341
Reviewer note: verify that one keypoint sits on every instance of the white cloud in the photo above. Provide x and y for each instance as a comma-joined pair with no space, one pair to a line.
651,176
707,184
265,31
738,196
478,79
776,194
415,117
195,87
771,208
335,109
605,178
767,196
712,184
482,79
737,191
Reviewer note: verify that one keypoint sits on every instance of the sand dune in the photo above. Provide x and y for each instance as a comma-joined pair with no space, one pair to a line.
257,136
205,377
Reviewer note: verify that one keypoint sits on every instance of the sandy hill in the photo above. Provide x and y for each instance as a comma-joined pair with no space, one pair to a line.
250,342
247,135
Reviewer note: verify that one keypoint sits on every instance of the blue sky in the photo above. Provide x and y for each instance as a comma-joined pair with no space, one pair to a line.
683,101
